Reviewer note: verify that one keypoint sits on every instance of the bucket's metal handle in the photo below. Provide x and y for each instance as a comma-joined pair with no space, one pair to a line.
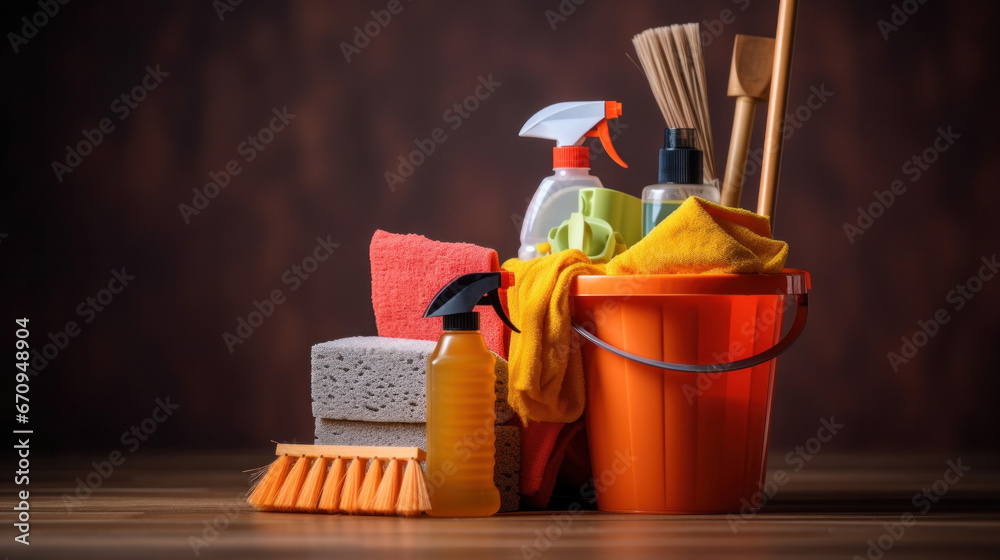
801,313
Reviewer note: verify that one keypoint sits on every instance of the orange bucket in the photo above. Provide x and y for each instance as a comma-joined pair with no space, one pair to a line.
679,373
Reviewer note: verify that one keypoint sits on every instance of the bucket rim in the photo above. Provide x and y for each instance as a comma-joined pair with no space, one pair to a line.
789,281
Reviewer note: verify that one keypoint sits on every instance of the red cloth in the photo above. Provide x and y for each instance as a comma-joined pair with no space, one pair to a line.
549,452
409,270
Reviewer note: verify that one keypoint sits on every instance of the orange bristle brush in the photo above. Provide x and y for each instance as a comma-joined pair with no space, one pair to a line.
340,479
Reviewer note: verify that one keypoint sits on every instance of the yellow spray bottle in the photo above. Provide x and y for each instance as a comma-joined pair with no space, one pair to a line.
460,399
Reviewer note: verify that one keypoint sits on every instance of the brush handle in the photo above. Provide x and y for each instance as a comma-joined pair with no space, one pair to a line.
349,451
739,148
776,109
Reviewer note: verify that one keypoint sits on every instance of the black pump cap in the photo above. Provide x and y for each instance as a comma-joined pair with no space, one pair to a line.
680,160
462,322
456,300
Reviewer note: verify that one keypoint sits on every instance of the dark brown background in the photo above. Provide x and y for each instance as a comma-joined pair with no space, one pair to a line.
324,176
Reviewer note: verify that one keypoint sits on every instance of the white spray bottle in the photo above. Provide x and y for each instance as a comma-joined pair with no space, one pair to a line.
557,196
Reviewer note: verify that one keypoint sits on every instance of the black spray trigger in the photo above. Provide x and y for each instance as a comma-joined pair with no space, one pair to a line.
493,298
456,300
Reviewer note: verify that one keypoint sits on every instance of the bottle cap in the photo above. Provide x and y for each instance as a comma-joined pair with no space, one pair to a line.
571,156
462,322
680,160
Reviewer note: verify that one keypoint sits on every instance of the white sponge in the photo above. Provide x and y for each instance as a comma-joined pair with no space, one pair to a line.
377,434
378,379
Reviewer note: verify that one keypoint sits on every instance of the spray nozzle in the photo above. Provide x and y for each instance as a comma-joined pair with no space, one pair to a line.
456,301
570,122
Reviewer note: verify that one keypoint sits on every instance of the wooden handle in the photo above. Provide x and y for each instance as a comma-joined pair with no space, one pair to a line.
297,450
739,149
750,71
776,109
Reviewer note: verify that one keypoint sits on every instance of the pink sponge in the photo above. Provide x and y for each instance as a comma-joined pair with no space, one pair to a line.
409,270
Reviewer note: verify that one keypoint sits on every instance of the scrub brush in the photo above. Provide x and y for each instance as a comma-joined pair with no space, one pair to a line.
341,479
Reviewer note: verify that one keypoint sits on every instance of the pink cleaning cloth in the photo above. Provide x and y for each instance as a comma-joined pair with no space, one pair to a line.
409,270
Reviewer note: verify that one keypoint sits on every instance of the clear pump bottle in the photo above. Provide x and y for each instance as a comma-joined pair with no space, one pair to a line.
680,176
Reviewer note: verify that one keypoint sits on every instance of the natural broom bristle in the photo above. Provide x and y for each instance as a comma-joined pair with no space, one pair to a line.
413,495
312,487
284,500
388,491
263,493
329,500
352,484
373,479
674,63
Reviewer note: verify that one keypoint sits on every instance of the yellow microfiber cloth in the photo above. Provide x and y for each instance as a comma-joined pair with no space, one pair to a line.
702,237
548,385
546,369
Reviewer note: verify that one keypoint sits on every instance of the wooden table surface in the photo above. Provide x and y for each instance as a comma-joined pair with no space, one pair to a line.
165,507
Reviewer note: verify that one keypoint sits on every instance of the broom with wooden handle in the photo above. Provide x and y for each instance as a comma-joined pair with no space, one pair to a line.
343,479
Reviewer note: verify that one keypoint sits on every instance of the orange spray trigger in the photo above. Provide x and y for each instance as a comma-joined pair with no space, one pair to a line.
601,131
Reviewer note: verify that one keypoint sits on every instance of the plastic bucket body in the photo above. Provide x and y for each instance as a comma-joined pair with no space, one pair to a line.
665,441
